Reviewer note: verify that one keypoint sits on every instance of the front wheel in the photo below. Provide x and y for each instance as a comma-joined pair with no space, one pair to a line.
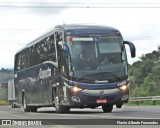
107,108
59,108
119,105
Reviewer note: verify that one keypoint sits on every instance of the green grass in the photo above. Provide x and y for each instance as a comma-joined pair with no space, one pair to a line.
144,103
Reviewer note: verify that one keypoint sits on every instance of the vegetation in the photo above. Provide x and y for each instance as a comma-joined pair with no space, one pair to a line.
144,75
3,94
5,75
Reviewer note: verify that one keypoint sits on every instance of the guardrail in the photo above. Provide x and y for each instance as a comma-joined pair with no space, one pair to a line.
148,98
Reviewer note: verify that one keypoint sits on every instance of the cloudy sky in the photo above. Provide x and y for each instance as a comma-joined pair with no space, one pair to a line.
21,21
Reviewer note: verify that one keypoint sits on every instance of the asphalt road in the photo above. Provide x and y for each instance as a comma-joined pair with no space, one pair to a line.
126,112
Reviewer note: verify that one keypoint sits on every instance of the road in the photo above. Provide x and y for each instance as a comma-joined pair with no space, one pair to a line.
126,112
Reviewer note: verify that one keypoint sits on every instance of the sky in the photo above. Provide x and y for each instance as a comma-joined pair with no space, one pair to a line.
21,21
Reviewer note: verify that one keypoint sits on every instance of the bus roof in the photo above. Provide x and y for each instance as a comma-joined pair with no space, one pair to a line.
75,29
81,26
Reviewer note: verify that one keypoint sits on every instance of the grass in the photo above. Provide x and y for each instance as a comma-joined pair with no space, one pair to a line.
144,103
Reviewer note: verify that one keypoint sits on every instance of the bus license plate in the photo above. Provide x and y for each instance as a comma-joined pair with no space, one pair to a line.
102,101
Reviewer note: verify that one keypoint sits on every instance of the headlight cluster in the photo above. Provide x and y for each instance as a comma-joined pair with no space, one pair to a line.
123,85
75,89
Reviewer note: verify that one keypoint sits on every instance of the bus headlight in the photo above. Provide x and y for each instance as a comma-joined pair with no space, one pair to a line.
75,89
123,87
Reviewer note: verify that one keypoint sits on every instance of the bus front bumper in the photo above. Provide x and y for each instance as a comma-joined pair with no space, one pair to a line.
99,97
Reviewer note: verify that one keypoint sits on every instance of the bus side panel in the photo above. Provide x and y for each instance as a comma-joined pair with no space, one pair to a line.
36,82
26,82
46,75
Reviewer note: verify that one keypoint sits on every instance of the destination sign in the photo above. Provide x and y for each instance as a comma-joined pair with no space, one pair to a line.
82,39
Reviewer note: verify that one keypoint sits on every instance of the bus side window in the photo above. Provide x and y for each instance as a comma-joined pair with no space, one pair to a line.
32,61
17,62
24,59
42,51
58,36
51,48
27,58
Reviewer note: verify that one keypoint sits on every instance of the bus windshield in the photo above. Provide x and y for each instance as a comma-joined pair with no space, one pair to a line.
98,58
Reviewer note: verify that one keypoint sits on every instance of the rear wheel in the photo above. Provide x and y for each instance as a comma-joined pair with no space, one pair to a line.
24,103
59,108
107,108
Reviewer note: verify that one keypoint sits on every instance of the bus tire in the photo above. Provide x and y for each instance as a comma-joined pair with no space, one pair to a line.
33,109
119,105
59,108
24,103
107,108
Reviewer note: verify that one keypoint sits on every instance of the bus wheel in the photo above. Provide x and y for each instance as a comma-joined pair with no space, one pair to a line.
24,103
59,108
107,108
119,105
33,109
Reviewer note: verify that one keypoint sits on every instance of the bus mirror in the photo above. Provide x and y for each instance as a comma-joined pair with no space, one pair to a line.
132,48
64,47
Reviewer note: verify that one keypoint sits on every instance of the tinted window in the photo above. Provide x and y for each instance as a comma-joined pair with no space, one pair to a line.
38,53
43,51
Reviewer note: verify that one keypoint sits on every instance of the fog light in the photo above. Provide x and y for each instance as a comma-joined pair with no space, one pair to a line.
76,99
125,97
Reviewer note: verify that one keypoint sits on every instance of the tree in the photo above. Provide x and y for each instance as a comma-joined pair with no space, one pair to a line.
145,75
6,74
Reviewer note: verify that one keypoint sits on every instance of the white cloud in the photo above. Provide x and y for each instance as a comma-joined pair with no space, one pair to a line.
21,25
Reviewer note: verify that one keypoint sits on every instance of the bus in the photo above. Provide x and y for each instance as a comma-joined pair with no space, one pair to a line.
73,66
